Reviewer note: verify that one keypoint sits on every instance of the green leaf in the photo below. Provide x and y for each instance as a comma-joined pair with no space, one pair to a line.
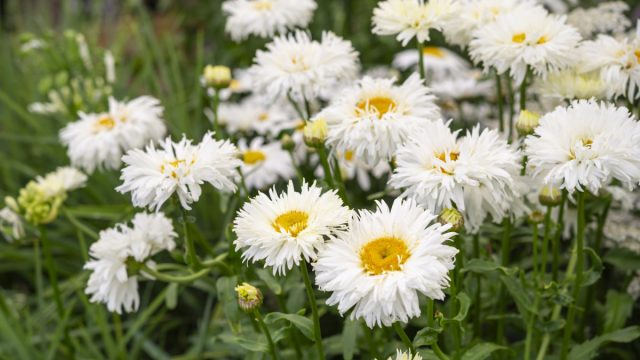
480,266
481,351
588,349
623,259
256,345
272,283
349,339
519,294
618,310
550,326
227,296
171,298
593,274
305,325
427,336
465,302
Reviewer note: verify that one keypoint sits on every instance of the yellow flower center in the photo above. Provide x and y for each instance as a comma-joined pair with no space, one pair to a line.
637,54
291,222
379,105
383,255
172,165
348,155
453,156
542,40
433,51
263,116
234,84
252,157
262,5
586,142
519,38
105,123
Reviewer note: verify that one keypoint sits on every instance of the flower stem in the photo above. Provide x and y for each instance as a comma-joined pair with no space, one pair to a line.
404,337
499,100
421,59
38,270
328,176
216,121
511,109
296,107
534,229
431,323
523,90
174,278
557,235
190,247
545,242
530,328
339,181
502,300
477,297
314,308
568,330
267,334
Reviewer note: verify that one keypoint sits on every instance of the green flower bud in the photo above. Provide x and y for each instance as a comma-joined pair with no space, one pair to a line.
453,217
550,196
315,133
527,122
249,297
218,77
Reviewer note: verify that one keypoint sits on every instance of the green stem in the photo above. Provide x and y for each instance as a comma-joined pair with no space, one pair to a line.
405,339
545,242
322,152
436,350
523,90
296,107
557,235
420,59
530,328
173,278
369,335
500,100
534,229
339,181
216,121
568,330
267,334
243,185
431,323
307,107
117,327
477,297
38,270
314,309
190,247
51,269
502,300
511,108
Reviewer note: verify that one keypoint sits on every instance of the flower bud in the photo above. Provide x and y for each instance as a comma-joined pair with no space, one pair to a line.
287,142
315,133
453,217
527,122
249,297
536,217
218,76
550,196
36,206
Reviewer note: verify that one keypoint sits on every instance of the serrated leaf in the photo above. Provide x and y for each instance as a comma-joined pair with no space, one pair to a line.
481,351
619,307
171,297
305,325
592,274
589,349
272,283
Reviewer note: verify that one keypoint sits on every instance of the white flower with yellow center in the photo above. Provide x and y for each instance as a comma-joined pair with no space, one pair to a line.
61,181
617,61
154,174
304,67
285,229
383,261
439,63
474,14
571,84
265,18
98,140
375,116
411,18
586,145
527,37
255,114
263,164
474,173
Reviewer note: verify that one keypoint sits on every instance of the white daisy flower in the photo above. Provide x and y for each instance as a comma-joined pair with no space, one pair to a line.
571,84
255,114
13,223
264,164
401,355
474,14
607,17
527,37
586,145
304,67
411,18
98,140
285,229
375,116
154,174
265,18
110,282
385,259
62,180
439,63
474,173
617,61
464,85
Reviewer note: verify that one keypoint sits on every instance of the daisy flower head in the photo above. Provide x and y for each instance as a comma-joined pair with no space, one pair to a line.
607,17
61,181
401,355
526,38
263,164
265,18
439,63
474,173
384,260
572,84
586,145
288,228
254,114
411,18
11,225
154,174
617,61
303,67
98,141
375,116
110,282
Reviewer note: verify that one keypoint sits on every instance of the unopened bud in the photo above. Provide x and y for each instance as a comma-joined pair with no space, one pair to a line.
527,122
287,142
453,217
315,132
218,76
550,196
536,217
249,297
